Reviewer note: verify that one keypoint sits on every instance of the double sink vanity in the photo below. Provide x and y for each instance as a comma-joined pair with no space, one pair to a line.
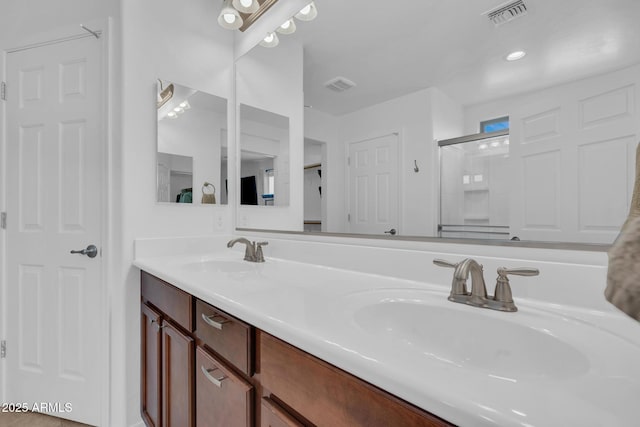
229,340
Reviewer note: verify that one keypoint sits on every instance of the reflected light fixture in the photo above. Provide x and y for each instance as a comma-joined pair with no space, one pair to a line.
307,13
165,94
289,27
229,17
246,6
270,40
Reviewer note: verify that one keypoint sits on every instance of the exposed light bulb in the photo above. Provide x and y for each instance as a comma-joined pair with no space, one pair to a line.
246,6
288,27
172,115
229,17
307,13
270,40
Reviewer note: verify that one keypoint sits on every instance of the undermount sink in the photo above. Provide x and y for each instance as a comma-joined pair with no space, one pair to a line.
506,345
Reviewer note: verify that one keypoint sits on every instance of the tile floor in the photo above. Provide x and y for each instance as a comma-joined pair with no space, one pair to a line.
30,419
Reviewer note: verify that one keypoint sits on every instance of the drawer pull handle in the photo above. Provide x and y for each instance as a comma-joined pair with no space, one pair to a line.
209,321
216,381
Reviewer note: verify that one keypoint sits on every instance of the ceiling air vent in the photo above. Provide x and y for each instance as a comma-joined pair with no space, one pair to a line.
339,84
506,12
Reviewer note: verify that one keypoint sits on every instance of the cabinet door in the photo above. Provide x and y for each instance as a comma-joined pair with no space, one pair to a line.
224,399
151,347
273,415
177,377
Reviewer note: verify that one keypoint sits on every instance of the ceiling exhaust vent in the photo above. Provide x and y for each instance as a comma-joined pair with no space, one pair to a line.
506,12
339,84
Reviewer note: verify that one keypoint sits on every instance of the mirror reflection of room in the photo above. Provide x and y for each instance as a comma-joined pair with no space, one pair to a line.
264,157
192,146
570,101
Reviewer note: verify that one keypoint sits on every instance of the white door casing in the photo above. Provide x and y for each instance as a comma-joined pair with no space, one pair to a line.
373,185
54,205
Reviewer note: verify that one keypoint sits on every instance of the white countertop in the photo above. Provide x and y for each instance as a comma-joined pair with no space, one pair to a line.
314,308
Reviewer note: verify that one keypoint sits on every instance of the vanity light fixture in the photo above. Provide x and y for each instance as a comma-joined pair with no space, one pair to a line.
164,95
241,14
516,55
270,40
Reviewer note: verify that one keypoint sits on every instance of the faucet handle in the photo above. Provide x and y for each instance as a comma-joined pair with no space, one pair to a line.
502,294
444,263
521,271
259,253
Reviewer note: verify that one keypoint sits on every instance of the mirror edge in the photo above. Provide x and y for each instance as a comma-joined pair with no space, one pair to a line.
567,246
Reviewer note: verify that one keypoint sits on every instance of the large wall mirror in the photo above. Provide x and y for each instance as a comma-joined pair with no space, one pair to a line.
385,85
192,146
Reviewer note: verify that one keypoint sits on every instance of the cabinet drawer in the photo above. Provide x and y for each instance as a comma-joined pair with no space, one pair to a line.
273,415
225,335
223,399
328,396
172,301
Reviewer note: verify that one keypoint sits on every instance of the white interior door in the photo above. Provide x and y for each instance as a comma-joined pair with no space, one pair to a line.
373,185
54,206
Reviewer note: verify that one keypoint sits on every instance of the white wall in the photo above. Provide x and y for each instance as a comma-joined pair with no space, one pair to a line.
181,43
271,80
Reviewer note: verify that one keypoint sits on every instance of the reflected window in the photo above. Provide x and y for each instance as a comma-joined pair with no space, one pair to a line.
494,125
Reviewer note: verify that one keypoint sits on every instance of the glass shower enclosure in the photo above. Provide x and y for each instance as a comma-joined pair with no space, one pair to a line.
474,186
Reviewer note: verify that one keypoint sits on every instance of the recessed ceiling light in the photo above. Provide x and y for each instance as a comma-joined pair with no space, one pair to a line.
514,56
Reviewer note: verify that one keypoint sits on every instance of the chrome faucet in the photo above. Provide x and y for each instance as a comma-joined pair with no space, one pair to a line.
252,252
502,299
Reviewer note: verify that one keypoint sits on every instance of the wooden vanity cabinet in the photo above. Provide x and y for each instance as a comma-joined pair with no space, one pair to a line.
184,380
151,367
327,396
167,355
202,367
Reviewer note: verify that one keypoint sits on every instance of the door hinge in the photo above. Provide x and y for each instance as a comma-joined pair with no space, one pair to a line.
348,161
3,220
348,217
3,91
3,349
